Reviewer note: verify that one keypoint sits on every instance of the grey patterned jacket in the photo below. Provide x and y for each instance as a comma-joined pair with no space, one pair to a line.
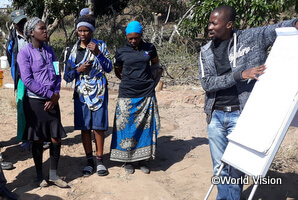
251,51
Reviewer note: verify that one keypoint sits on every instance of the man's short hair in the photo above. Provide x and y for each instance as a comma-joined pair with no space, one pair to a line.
230,12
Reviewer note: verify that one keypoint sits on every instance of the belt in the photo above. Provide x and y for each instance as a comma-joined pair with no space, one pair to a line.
227,108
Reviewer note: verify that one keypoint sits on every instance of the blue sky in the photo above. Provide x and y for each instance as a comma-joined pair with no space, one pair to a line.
4,3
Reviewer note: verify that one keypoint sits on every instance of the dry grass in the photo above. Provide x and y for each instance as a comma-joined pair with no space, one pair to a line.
12,102
286,159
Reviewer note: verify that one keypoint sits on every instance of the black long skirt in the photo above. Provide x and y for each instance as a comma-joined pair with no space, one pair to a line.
40,124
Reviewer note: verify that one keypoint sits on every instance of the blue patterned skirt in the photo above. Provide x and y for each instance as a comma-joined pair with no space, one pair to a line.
135,130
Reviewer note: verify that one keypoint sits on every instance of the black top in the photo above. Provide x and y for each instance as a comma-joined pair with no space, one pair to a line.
80,54
229,96
136,78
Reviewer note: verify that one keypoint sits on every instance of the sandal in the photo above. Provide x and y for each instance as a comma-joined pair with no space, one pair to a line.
87,171
101,170
129,168
6,165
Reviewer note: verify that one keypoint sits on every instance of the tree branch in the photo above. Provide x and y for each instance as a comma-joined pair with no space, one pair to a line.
176,26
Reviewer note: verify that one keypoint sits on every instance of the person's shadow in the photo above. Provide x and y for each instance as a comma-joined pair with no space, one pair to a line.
171,151
286,190
14,153
69,169
26,180
168,152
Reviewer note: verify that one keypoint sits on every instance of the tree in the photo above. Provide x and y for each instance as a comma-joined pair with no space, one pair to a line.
250,13
51,12
3,32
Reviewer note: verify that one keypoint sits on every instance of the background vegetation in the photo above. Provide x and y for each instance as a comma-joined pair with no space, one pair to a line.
177,27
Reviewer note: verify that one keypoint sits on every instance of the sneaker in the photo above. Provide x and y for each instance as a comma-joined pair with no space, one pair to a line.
60,183
43,183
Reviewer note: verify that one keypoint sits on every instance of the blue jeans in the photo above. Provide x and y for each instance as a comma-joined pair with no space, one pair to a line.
221,125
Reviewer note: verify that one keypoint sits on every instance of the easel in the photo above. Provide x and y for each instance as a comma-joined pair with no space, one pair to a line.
212,185
271,154
248,158
252,193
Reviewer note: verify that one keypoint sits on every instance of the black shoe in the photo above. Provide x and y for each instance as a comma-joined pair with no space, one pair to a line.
6,194
6,165
129,168
26,146
144,167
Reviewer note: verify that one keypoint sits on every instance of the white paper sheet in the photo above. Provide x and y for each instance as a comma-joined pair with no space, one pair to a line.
272,95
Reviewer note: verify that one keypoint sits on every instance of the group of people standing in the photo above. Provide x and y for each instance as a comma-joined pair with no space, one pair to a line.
227,75
136,122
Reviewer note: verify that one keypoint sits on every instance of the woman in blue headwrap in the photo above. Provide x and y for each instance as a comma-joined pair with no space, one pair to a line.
87,62
136,122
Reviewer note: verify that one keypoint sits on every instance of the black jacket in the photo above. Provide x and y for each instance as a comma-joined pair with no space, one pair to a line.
11,53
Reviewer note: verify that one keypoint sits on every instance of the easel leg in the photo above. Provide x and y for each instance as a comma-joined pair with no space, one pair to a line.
212,185
254,188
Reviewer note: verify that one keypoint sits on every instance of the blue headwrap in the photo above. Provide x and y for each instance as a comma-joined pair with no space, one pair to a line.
134,27
86,20
87,25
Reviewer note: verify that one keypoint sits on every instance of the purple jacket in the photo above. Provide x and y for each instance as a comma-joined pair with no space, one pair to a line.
38,73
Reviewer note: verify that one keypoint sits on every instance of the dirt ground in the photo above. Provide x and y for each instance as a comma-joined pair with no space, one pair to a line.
182,169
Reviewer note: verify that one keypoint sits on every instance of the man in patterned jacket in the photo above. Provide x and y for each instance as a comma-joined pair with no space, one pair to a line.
229,66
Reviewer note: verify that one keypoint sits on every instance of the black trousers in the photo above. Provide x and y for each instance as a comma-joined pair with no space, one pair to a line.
2,180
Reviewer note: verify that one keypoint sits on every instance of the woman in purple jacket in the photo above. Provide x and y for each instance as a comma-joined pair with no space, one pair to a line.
42,113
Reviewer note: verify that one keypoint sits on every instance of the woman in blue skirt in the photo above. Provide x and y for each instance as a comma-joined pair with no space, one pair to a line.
136,122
